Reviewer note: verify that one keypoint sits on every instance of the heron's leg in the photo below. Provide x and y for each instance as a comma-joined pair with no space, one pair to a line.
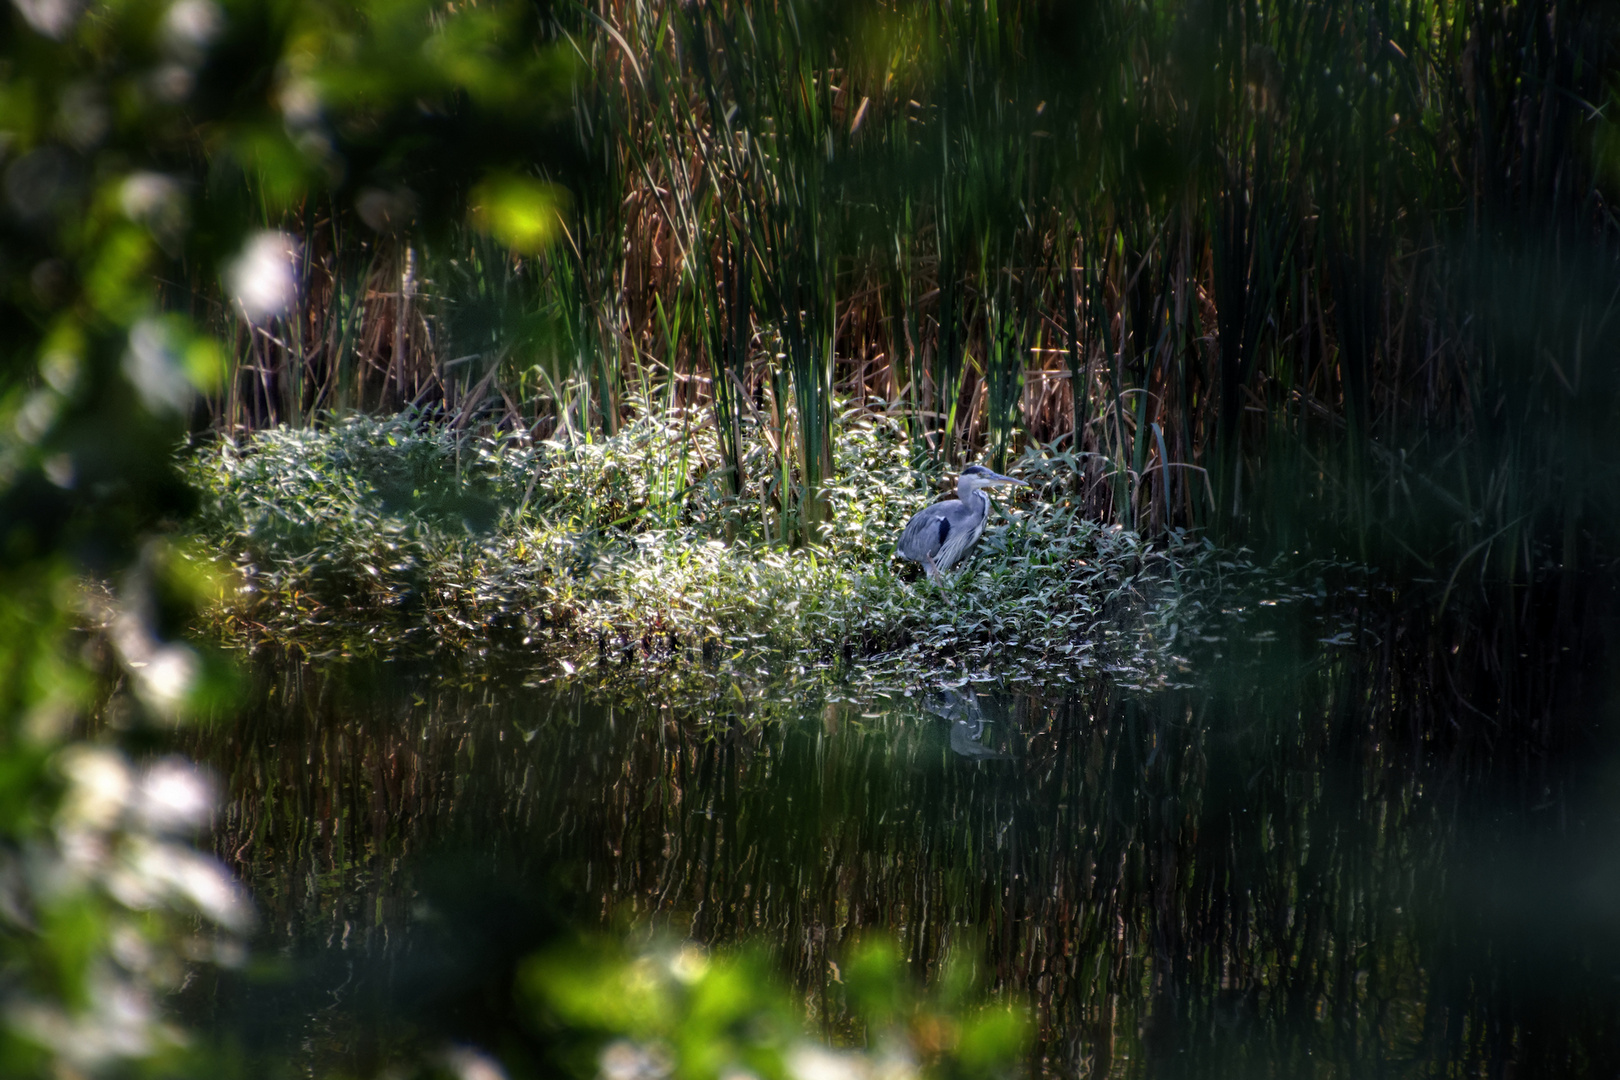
930,568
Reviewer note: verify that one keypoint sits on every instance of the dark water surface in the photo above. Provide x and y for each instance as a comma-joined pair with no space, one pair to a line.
1389,854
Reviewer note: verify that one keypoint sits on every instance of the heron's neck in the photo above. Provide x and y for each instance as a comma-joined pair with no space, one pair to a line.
972,498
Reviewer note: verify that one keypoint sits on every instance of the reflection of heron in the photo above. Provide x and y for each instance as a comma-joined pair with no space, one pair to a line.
940,535
967,724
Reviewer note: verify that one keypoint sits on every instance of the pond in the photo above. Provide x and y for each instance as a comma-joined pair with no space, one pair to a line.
1382,853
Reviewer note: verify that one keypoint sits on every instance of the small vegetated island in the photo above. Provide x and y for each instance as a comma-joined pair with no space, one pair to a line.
370,536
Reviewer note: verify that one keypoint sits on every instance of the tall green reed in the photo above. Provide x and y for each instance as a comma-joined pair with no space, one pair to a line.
1252,266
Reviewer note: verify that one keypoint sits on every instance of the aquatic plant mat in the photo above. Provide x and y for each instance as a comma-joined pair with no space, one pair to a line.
630,553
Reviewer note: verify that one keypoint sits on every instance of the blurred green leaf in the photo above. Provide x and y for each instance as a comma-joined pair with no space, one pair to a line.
523,214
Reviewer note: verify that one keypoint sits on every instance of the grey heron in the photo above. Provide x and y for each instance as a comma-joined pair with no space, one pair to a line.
940,535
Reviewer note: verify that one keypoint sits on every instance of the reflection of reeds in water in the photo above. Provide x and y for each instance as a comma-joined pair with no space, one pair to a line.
1315,860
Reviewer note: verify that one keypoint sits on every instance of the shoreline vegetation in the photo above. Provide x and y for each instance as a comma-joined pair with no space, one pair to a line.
371,536
1280,280
1315,278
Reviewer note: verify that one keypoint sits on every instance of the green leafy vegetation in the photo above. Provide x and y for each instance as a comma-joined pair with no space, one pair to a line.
145,147
681,1011
379,535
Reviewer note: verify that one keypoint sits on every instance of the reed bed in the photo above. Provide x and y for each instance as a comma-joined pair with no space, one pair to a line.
1326,273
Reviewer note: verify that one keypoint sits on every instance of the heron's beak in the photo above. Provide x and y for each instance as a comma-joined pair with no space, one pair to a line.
999,479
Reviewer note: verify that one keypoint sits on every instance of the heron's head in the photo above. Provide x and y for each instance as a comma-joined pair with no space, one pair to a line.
975,477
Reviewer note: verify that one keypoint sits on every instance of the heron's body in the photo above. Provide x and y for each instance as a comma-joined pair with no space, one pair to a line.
939,536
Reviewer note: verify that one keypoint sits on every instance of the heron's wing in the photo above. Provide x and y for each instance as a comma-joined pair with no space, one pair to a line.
925,533
965,526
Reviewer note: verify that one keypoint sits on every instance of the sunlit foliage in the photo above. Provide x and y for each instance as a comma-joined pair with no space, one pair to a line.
680,1011
402,535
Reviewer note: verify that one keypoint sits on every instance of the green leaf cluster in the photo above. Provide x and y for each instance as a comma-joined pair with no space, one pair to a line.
679,1010
144,143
